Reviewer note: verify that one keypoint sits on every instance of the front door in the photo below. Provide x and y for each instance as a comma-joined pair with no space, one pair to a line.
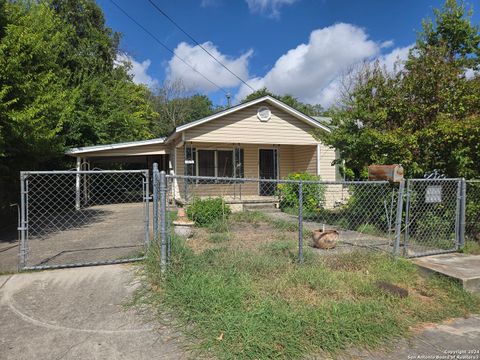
268,169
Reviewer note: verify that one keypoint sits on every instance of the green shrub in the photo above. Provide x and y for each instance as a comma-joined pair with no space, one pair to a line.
367,204
208,211
313,194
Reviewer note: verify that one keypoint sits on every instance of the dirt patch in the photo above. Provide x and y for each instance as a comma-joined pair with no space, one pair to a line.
245,236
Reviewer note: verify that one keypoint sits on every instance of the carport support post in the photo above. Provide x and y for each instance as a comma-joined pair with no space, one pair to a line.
77,184
300,222
163,221
398,221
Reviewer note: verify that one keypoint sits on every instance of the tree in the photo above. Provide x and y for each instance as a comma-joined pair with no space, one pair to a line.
424,114
95,45
176,107
308,109
60,87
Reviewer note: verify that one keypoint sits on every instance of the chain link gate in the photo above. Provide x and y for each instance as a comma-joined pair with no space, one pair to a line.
81,218
434,216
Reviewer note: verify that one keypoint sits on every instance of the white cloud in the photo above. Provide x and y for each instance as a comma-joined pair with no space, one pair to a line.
313,71
386,44
308,69
268,7
138,70
395,58
207,66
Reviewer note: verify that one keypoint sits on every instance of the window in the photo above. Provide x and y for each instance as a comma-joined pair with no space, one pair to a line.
206,162
224,163
238,170
214,163
190,161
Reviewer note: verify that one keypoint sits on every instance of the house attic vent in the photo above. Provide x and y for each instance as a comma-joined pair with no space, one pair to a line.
264,113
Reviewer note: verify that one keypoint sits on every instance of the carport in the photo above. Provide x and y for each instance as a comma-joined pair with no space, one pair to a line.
131,155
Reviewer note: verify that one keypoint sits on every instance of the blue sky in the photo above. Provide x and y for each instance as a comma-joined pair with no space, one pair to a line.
300,47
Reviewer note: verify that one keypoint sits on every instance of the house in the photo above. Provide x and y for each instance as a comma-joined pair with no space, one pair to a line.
263,138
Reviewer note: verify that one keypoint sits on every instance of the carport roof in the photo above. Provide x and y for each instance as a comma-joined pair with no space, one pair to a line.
95,148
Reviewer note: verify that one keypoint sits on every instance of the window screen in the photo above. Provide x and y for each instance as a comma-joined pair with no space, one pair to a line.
225,163
239,163
206,162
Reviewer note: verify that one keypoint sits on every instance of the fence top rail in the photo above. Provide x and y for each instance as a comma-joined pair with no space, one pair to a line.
473,181
80,172
433,180
280,181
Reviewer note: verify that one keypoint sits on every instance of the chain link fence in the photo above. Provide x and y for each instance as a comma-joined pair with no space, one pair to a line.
433,216
75,218
294,212
472,222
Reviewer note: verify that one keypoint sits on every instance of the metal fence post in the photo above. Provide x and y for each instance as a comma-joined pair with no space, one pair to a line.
300,222
163,221
22,223
155,202
147,208
457,213
406,235
398,220
463,204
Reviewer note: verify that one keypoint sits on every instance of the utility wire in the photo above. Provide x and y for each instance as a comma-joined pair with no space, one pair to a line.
165,46
197,43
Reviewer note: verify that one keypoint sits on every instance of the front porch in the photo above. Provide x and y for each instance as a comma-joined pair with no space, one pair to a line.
229,166
247,202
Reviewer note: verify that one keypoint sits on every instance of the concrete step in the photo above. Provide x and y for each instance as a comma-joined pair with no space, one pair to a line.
462,267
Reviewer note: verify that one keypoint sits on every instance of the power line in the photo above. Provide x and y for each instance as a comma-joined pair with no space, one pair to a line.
197,43
166,47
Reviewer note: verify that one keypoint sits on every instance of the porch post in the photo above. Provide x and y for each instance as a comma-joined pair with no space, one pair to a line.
318,159
77,184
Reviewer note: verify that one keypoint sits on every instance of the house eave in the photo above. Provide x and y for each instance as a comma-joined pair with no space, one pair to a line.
96,148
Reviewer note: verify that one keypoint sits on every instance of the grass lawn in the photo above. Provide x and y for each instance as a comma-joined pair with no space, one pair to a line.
471,247
254,301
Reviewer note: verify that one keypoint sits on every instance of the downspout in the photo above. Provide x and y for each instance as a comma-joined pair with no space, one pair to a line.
318,159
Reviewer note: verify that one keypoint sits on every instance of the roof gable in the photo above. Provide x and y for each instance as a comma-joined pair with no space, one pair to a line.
272,101
244,126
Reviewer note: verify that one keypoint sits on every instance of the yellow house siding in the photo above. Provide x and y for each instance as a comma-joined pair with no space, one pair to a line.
243,126
287,160
327,170
305,159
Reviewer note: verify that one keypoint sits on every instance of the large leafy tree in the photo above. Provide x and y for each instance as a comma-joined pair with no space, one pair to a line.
426,114
60,86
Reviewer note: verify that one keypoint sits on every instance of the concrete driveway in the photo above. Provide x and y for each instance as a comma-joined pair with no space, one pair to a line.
79,314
